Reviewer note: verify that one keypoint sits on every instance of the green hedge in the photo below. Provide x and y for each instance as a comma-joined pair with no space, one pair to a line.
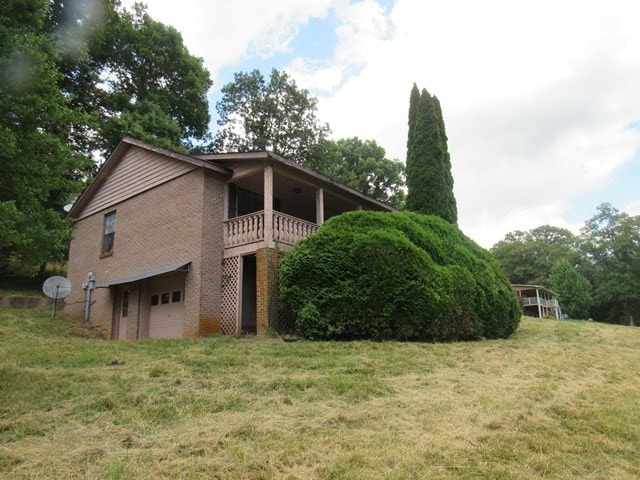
404,276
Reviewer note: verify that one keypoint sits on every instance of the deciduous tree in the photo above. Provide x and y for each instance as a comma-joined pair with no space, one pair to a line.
131,75
573,287
75,76
39,170
528,256
361,164
611,245
274,115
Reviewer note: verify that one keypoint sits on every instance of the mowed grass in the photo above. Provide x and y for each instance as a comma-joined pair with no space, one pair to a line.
558,400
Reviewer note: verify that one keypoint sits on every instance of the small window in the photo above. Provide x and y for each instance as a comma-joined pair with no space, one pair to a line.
109,233
154,300
164,298
125,304
175,297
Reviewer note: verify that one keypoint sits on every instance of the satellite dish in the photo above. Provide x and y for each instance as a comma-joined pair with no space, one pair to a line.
67,208
56,287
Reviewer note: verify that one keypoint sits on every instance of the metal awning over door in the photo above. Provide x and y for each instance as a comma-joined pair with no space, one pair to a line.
178,267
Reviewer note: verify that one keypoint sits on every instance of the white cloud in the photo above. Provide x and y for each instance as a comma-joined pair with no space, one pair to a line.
537,95
537,99
227,32
362,29
633,208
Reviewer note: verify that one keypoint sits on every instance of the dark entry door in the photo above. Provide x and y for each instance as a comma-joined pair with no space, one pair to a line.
249,294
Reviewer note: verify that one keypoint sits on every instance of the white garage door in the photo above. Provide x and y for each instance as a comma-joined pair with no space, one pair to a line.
166,314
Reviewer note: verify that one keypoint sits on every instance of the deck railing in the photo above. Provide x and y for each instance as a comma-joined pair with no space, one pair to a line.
250,229
244,229
542,302
288,229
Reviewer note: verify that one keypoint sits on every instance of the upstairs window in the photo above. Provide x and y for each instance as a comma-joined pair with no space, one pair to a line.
109,233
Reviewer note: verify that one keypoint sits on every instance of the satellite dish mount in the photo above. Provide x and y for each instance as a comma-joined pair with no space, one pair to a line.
56,288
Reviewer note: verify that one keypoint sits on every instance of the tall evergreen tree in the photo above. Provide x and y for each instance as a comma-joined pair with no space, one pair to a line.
429,178
414,100
446,158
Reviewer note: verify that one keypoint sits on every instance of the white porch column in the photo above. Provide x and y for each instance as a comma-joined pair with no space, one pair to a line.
538,300
268,205
319,206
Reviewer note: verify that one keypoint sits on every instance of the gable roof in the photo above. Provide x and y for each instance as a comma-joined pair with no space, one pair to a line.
520,287
229,159
118,154
220,163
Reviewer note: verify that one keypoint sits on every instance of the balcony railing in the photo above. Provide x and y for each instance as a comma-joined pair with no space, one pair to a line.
542,302
250,229
243,230
288,229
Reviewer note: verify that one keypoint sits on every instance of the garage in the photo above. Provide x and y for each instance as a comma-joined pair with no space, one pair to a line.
149,304
166,307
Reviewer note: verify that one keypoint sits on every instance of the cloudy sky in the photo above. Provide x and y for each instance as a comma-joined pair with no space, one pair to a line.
541,99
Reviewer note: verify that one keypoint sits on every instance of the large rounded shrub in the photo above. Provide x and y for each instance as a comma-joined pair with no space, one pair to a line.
402,276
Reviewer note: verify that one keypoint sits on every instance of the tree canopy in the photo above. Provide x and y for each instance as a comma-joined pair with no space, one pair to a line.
256,114
527,257
275,115
611,247
39,170
360,164
76,76
429,178
339,284
605,259
130,74
572,287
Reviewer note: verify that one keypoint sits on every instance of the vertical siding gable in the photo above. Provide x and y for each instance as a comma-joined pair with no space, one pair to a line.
137,171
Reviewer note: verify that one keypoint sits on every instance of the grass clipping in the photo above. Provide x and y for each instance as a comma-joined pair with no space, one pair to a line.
559,399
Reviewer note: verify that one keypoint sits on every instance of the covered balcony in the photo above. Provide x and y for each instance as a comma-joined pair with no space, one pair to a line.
270,203
271,207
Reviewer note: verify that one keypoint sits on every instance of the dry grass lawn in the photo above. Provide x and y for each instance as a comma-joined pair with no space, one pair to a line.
558,400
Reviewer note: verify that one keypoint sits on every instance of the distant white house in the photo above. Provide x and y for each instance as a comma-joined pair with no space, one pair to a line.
538,301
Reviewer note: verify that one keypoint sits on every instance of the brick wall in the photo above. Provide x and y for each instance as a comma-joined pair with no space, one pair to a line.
212,252
267,267
178,221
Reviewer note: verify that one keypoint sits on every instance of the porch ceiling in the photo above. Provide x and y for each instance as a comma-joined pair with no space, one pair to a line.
295,190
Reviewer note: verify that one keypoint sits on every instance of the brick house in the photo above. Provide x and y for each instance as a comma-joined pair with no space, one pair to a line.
183,245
